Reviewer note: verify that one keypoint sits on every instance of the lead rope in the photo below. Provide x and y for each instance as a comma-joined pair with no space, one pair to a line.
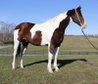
84,32
89,40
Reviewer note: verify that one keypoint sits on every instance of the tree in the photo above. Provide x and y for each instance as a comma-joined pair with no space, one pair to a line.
6,31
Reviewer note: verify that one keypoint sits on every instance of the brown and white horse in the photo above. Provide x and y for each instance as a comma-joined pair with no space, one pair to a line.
49,33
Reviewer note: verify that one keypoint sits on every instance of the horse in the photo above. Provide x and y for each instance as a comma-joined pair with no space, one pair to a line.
50,33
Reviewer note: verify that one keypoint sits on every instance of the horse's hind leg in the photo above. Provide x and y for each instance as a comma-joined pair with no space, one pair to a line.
15,53
23,49
21,61
21,55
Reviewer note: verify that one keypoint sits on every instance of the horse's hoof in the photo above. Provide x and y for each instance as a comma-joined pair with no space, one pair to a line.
22,67
51,72
56,69
13,68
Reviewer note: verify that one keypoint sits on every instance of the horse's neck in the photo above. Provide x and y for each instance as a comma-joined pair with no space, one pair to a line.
57,19
61,21
63,24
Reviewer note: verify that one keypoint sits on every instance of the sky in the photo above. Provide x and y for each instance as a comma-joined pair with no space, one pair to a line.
39,11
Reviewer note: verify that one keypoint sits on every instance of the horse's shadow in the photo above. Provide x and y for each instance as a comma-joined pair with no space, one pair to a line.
61,63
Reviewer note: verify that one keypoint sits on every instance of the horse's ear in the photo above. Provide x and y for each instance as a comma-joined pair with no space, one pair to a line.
70,12
79,8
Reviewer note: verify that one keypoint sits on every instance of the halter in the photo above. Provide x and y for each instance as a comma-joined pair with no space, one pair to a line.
78,17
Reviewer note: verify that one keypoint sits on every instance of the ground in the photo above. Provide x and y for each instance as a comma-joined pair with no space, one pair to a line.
80,69
74,69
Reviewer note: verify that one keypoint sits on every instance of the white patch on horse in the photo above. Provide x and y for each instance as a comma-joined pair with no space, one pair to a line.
47,29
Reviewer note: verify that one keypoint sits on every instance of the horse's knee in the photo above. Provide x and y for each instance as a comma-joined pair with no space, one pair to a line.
52,48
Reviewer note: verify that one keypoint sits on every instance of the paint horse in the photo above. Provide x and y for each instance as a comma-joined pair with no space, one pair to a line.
50,33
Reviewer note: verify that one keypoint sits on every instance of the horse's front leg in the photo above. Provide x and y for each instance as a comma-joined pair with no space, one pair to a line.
50,56
55,59
49,67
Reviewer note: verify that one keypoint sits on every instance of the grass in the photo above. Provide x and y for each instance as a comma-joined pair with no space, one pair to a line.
78,43
74,69
70,43
81,69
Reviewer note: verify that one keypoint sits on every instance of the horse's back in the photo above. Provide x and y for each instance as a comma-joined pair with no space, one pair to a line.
27,25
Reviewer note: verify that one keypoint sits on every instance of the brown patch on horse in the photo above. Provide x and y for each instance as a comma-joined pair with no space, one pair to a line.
24,30
36,40
58,34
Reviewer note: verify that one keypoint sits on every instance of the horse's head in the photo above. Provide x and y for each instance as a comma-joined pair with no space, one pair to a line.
76,16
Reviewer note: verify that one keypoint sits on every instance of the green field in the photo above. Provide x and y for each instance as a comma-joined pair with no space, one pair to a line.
73,43
70,43
73,70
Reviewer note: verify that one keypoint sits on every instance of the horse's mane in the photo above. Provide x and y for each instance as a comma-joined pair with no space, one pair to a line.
57,18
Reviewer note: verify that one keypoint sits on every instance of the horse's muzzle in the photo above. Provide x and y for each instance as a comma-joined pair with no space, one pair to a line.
83,26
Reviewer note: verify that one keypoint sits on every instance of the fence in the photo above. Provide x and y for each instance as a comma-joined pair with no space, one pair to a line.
8,51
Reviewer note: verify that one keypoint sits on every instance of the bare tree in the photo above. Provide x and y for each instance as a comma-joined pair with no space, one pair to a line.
6,31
